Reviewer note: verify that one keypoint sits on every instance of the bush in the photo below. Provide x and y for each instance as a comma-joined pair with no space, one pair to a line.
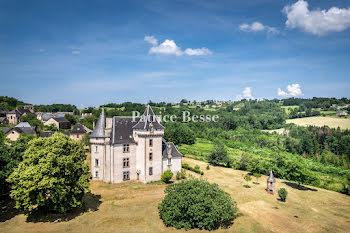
208,167
197,204
52,176
197,167
166,176
180,175
282,193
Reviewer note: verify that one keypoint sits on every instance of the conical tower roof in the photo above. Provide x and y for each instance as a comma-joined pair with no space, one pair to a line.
271,178
99,130
148,120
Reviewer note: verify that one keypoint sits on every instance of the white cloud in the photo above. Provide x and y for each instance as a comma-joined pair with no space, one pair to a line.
169,47
258,27
246,94
152,40
292,91
317,22
75,52
197,52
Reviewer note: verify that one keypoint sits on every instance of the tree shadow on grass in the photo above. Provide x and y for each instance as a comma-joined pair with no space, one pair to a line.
299,187
256,183
246,186
91,203
7,208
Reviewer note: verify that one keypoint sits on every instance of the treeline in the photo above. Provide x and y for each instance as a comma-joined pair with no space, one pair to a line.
10,103
315,102
302,112
56,108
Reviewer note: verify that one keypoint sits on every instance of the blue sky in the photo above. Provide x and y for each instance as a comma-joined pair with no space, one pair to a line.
90,53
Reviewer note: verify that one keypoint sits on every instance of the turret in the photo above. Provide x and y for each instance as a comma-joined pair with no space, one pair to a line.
271,182
99,129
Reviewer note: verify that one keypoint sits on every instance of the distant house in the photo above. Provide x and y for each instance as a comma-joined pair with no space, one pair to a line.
14,115
45,116
3,121
78,132
341,113
29,107
59,122
14,132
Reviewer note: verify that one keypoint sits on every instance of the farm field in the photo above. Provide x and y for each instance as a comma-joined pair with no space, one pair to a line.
132,207
332,122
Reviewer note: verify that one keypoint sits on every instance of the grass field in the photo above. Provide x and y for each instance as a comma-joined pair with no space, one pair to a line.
332,122
132,207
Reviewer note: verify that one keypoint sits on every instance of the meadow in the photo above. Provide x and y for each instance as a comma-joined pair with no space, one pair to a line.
132,207
332,122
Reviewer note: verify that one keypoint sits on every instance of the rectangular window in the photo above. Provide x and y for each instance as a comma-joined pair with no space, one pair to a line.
96,148
126,162
150,171
150,155
77,135
96,174
97,163
126,175
169,161
126,148
151,142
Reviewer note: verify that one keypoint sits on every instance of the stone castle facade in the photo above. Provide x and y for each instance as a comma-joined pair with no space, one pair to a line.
123,148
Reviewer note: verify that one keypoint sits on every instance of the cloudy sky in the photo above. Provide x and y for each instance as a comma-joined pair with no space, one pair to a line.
93,52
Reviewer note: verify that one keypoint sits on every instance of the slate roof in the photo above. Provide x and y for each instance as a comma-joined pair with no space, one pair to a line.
49,134
60,119
20,111
24,130
23,124
123,129
99,130
170,148
271,178
3,119
148,120
78,128
4,110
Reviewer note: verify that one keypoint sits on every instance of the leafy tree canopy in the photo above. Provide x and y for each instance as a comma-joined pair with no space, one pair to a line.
53,175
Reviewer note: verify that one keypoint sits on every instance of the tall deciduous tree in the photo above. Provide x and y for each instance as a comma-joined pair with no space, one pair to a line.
53,175
219,155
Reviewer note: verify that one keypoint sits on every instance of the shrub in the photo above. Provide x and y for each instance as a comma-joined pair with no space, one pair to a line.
188,167
181,174
52,176
282,193
197,204
247,178
208,167
197,167
257,176
166,176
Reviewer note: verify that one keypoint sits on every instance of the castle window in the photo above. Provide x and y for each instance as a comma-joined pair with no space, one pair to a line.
151,142
150,170
126,148
150,155
77,135
126,175
96,148
126,162
96,174
169,161
97,163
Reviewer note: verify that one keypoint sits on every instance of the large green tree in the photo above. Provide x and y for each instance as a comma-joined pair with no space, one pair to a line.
197,204
52,176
